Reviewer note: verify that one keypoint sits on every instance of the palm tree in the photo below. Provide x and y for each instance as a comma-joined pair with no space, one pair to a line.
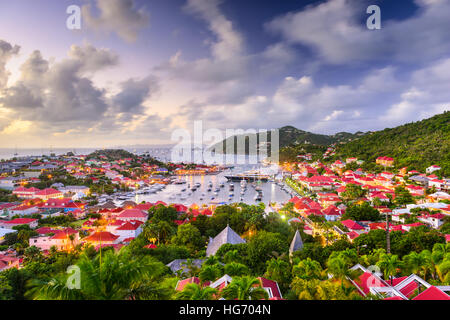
244,288
194,291
236,269
308,269
113,280
437,255
389,263
210,272
418,262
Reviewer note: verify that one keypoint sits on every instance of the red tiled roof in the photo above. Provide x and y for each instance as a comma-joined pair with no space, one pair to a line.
352,225
20,221
432,293
101,236
132,213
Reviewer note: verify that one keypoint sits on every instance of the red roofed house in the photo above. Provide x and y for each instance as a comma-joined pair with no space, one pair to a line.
23,210
272,288
32,223
65,239
432,293
353,226
385,161
435,220
25,193
103,238
129,229
8,262
49,194
133,214
181,284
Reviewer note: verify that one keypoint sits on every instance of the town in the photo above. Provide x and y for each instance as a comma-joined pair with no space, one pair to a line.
323,243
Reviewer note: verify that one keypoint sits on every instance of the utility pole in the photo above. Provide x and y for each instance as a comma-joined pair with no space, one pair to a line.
388,236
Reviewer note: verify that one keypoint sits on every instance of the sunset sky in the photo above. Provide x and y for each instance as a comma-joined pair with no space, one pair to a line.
139,69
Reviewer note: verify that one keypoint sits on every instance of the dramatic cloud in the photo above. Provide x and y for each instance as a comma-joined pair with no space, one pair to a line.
61,96
6,52
119,16
133,93
335,31
380,100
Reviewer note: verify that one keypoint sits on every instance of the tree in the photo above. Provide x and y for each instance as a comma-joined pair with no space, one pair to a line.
389,263
210,272
189,236
262,246
418,262
280,271
353,192
403,196
114,279
308,269
362,212
244,288
236,269
194,291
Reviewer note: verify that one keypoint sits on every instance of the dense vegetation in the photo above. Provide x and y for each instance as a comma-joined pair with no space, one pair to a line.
136,272
415,145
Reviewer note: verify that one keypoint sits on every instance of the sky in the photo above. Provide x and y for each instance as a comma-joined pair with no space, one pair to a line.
139,70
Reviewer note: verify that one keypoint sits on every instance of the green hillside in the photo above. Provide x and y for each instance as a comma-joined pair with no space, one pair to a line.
291,136
414,145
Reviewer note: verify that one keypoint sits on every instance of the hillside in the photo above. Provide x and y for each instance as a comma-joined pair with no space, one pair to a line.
111,154
414,145
291,136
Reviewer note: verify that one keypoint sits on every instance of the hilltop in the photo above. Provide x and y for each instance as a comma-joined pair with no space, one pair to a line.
291,136
112,154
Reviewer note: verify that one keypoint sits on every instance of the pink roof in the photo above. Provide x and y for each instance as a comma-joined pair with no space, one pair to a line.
182,283
273,285
408,290
132,213
47,192
352,225
20,221
432,293
394,298
128,226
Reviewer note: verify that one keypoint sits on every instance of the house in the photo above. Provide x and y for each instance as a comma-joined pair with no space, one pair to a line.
354,226
385,161
49,193
25,193
8,262
438,184
407,227
272,288
432,169
435,220
23,210
226,236
129,229
32,223
181,284
133,214
332,213
65,239
102,238
415,190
